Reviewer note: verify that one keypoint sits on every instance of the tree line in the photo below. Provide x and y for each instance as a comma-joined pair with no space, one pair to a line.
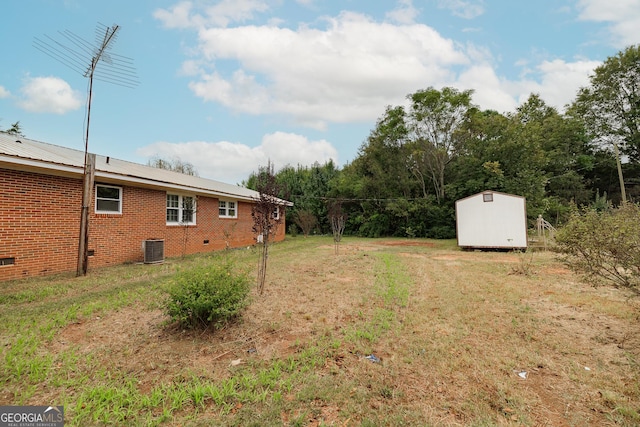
423,156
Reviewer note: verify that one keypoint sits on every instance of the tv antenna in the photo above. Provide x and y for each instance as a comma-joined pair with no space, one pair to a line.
84,57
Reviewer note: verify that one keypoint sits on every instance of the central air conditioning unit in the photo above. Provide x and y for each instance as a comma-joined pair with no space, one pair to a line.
153,251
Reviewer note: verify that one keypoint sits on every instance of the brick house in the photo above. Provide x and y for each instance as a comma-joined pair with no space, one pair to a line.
133,207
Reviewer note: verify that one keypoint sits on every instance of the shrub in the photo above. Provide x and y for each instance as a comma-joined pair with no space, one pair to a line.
208,295
441,232
306,220
604,244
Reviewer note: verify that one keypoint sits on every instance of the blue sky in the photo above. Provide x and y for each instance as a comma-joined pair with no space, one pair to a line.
229,84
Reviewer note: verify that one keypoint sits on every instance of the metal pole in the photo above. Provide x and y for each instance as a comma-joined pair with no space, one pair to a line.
83,246
623,193
89,164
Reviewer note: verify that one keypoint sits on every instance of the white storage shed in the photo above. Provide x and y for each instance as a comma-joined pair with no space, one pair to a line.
491,220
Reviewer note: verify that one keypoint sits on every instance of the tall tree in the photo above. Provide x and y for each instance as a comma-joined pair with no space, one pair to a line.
479,163
315,186
534,152
379,177
382,158
610,106
434,120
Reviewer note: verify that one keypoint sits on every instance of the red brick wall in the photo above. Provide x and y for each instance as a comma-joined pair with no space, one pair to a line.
236,232
40,223
117,238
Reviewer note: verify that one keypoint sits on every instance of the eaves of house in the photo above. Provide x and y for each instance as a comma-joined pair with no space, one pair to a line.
18,152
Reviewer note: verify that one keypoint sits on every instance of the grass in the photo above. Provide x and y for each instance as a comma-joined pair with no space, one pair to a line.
451,330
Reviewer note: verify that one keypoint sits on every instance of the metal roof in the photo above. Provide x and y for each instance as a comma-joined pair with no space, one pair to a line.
49,158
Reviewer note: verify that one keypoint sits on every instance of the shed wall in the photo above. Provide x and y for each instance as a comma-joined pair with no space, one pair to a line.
501,223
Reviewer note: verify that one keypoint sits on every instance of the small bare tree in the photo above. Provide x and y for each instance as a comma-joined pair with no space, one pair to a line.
267,213
228,233
175,164
306,220
338,219
189,208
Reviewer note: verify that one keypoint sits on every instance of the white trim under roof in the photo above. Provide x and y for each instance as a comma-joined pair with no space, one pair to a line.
21,153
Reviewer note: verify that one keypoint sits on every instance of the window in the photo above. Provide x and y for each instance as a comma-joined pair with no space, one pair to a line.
181,209
108,199
227,209
7,261
276,213
487,197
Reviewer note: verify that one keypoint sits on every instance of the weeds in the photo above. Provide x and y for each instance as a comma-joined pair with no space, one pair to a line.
525,265
450,328
392,290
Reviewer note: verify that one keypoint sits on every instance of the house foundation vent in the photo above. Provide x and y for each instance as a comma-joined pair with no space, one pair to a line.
153,251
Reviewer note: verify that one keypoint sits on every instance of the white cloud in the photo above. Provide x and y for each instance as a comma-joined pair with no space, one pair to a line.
405,13
463,8
557,82
561,80
178,16
346,68
623,15
345,72
49,95
4,93
224,12
490,92
234,162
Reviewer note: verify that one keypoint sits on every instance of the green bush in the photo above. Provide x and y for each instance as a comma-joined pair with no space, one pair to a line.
208,295
604,244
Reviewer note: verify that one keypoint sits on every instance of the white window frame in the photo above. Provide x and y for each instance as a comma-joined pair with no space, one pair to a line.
119,200
180,209
223,204
276,213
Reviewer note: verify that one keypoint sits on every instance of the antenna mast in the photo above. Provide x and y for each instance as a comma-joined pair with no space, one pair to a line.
122,73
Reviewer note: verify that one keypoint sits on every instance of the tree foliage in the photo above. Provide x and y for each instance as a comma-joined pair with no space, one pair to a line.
306,220
603,244
15,129
208,295
435,119
610,106
439,147
307,187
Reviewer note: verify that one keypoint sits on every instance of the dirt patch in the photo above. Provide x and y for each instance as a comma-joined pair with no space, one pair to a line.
491,257
556,270
603,339
406,243
143,343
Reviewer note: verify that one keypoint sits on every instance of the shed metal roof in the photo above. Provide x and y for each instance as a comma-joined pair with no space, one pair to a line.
25,153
